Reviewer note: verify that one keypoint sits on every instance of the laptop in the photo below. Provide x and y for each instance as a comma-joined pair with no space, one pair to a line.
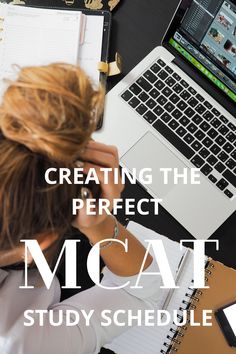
176,109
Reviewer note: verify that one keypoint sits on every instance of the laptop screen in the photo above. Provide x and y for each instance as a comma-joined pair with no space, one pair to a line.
204,32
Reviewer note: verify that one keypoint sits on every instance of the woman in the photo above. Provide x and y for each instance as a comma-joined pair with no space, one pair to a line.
46,118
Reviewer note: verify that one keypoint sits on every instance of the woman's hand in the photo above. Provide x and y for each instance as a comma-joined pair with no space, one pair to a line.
97,155
100,227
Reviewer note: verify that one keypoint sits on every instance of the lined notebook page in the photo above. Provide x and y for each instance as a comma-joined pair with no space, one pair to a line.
37,37
149,340
91,49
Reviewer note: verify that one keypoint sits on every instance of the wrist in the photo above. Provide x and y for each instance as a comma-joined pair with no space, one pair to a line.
101,231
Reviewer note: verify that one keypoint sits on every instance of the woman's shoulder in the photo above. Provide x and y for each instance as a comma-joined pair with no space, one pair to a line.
3,275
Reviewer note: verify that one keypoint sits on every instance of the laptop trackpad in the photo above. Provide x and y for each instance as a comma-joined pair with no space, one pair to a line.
149,152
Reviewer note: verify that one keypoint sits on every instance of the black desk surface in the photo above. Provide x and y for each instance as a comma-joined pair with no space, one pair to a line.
138,27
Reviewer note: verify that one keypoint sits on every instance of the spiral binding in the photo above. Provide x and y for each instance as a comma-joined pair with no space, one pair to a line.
1,27
174,337
69,2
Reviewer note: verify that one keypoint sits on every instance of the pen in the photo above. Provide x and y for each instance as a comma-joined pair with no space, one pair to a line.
182,264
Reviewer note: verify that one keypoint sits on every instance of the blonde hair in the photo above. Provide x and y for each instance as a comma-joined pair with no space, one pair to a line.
47,117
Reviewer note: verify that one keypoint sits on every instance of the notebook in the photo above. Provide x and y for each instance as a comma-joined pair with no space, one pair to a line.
208,340
185,340
37,36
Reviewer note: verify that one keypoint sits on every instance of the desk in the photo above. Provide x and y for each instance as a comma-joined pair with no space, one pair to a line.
138,26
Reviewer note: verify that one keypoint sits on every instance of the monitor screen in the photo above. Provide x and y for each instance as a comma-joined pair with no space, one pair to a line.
205,34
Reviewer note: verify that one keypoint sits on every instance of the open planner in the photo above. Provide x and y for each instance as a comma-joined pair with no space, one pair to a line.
31,36
187,339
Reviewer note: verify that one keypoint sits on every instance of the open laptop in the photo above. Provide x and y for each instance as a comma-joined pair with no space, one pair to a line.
176,109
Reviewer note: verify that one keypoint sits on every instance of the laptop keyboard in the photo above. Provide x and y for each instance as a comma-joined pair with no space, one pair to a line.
189,122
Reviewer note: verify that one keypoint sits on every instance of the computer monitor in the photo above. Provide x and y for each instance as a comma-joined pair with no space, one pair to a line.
204,33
